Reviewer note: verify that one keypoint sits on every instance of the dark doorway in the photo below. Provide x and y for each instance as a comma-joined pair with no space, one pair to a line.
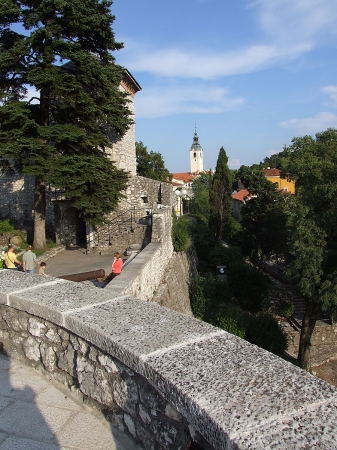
74,228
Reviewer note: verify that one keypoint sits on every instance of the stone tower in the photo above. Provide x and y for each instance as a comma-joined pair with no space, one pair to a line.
196,156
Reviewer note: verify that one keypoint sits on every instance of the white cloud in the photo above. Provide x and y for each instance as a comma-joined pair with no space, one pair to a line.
312,125
234,164
160,101
332,92
185,64
290,28
297,21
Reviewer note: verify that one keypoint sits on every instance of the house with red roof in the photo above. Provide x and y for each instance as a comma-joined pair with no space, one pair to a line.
238,199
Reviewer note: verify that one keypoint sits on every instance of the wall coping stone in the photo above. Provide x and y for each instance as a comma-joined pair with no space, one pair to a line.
237,395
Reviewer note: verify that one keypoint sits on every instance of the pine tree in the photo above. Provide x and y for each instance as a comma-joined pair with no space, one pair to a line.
59,136
220,198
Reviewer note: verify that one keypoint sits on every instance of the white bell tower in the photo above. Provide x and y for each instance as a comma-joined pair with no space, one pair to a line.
196,155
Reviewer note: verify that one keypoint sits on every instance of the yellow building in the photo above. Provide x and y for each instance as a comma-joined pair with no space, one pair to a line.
273,175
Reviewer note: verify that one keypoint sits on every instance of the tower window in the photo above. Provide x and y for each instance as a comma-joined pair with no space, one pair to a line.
195,155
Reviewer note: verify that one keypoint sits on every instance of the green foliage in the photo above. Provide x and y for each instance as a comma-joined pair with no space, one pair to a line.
180,236
6,226
199,203
200,235
235,234
151,165
263,215
220,198
61,136
312,217
198,298
273,161
264,331
231,320
287,308
94,185
249,285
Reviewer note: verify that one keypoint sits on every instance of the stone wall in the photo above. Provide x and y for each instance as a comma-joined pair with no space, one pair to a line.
126,398
174,290
160,374
144,276
131,222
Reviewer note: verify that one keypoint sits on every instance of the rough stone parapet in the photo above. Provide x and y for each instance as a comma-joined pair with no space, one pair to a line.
144,276
130,355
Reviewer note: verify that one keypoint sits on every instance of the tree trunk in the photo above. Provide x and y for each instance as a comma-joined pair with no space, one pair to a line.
308,324
39,215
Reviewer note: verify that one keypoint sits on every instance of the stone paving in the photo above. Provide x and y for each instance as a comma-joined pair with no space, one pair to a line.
37,413
76,260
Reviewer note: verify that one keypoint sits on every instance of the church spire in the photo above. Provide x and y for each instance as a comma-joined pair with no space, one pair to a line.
196,158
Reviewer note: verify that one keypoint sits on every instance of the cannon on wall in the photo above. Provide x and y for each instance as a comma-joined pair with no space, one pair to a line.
83,276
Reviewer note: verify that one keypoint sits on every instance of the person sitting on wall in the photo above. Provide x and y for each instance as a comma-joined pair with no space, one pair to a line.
10,258
117,265
116,268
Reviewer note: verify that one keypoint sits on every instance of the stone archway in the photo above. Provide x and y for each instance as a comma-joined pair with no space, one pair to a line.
73,228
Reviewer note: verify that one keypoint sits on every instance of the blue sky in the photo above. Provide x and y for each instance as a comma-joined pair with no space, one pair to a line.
251,74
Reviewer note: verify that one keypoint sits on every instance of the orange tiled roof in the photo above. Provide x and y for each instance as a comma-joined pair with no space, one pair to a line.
186,177
271,172
241,195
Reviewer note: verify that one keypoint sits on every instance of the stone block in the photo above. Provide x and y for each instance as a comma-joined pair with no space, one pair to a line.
13,281
56,299
224,386
113,327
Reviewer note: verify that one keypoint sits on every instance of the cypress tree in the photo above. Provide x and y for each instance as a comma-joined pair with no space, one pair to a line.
220,198
63,51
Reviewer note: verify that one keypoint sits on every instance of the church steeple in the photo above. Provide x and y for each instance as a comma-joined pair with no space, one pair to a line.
196,157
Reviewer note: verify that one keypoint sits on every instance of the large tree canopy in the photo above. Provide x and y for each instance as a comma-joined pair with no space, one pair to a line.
59,135
263,214
151,164
312,163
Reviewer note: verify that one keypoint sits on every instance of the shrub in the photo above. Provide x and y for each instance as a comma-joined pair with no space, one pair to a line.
6,226
235,233
231,320
198,299
200,235
180,238
264,331
287,308
225,256
209,297
250,286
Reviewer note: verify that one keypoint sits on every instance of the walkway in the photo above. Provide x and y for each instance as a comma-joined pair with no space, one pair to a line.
37,413
68,262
